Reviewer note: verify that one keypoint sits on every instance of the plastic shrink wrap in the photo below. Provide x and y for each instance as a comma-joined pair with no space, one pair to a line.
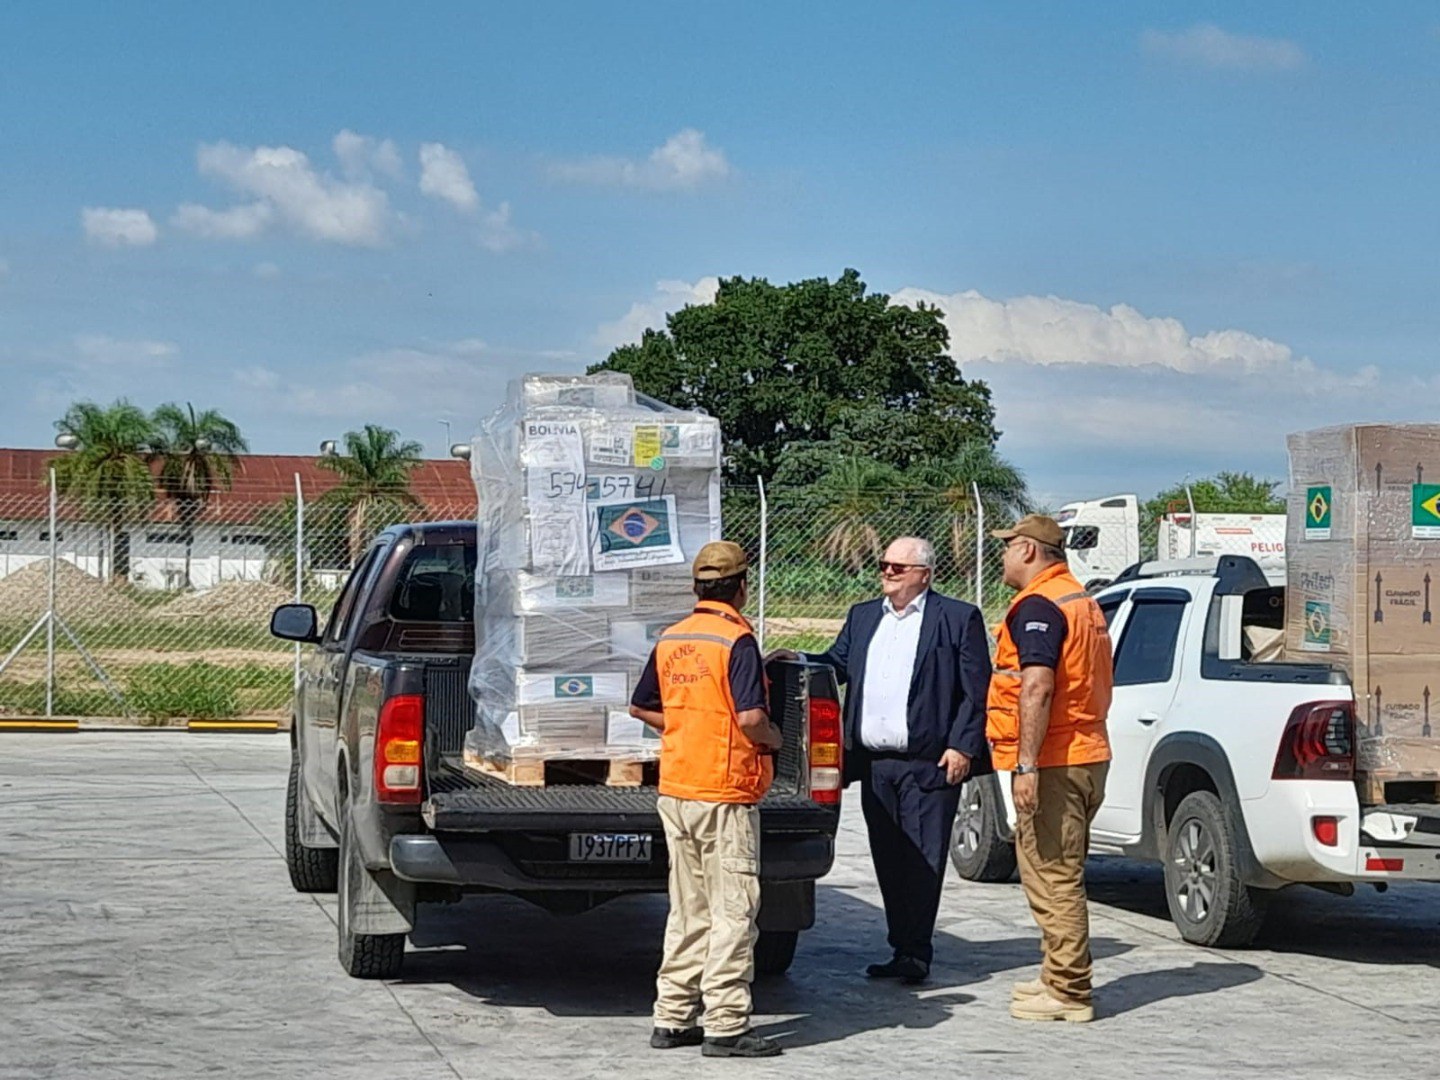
593,499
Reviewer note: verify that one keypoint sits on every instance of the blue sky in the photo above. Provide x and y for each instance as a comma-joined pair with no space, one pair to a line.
1165,236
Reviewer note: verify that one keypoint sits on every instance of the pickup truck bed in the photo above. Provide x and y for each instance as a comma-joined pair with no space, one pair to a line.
389,675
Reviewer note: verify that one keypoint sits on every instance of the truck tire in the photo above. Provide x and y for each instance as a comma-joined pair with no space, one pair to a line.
363,956
1209,903
312,870
976,848
775,951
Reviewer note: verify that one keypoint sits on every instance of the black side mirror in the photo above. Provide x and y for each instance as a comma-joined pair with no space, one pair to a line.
296,622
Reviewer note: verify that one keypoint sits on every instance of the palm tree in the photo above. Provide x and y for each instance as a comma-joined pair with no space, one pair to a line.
1003,493
108,471
374,481
849,499
197,455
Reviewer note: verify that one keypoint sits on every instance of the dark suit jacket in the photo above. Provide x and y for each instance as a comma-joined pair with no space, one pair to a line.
948,685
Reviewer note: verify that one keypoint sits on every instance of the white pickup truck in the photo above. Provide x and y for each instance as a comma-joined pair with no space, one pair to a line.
1236,772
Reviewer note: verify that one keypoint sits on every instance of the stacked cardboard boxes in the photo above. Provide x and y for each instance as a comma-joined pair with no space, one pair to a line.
592,502
1363,579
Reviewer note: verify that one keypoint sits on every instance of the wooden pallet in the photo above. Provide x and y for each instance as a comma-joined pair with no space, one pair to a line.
1378,787
549,772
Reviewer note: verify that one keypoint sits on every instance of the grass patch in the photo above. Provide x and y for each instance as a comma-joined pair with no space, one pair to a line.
28,699
197,691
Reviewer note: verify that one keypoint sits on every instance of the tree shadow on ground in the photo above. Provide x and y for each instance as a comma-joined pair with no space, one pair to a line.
507,953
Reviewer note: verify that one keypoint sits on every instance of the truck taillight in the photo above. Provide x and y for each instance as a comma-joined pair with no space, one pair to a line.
826,751
1318,743
399,746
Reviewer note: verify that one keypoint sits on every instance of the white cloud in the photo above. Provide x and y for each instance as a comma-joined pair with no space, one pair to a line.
443,175
685,161
113,227
649,314
313,204
499,235
243,222
1050,330
101,350
1209,46
362,155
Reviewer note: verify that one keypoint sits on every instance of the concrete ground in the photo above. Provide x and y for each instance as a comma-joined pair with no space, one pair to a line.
147,928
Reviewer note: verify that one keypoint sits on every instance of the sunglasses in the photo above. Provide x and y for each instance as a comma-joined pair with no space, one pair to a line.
900,567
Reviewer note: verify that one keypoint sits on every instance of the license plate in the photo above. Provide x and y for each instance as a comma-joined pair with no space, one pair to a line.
609,847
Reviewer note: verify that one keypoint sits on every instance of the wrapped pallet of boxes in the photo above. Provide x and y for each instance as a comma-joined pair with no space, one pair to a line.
1363,557
593,499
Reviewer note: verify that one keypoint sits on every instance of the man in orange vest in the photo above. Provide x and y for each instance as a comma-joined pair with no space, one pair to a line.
1045,719
704,690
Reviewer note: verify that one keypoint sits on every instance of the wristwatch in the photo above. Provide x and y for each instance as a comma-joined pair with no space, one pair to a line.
1022,769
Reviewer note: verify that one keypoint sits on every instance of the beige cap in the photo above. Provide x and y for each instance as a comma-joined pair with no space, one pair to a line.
720,559
1037,527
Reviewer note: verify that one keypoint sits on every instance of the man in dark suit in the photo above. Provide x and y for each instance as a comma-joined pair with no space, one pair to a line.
917,667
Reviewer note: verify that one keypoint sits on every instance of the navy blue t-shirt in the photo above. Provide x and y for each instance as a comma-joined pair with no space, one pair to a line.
1037,626
747,679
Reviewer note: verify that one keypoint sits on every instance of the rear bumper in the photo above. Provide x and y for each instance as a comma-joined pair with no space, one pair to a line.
481,862
1282,835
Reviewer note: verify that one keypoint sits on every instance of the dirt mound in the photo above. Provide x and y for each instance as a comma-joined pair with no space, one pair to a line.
79,597
236,601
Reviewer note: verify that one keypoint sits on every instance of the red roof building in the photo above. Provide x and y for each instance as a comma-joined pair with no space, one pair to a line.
260,482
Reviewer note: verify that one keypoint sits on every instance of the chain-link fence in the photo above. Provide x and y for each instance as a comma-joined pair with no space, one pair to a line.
152,611
822,556
144,611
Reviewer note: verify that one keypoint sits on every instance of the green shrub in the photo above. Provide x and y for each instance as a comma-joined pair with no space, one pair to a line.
198,691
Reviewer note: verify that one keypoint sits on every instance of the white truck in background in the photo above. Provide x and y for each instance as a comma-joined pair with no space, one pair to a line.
1102,538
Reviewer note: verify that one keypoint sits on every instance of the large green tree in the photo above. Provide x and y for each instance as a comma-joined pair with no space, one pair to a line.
107,471
787,366
1224,493
374,487
197,453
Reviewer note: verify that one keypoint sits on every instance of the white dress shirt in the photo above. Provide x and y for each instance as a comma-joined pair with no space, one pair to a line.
889,666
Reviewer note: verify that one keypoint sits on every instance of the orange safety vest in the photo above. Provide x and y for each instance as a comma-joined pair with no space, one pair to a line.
703,753
1083,681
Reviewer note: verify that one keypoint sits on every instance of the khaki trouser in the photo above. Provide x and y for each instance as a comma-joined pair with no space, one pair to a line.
714,898
1051,845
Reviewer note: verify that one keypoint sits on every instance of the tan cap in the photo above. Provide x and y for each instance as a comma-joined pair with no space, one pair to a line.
720,559
1037,527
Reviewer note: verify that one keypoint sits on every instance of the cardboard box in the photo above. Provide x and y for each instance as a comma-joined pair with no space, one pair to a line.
1401,589
1324,609
1395,456
1393,695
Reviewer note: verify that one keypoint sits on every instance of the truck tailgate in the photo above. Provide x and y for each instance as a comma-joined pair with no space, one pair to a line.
463,802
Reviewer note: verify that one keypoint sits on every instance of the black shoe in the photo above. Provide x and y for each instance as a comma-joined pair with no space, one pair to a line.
671,1038
749,1044
905,968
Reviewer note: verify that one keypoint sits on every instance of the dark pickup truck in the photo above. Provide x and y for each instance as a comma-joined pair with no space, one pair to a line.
380,807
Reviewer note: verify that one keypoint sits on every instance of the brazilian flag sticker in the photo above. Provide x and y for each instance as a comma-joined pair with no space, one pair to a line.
574,686
1317,626
1319,503
1425,511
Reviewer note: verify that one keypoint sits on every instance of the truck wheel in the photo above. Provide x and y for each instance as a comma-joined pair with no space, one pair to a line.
775,951
311,869
1209,904
363,956
976,849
